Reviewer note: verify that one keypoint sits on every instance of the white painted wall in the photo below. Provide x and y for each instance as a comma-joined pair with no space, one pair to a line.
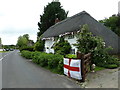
72,41
48,45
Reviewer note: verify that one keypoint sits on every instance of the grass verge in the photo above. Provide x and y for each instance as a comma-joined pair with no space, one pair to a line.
3,51
99,68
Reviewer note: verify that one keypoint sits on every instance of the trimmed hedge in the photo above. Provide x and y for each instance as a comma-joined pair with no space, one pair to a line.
54,62
27,54
71,56
28,48
111,66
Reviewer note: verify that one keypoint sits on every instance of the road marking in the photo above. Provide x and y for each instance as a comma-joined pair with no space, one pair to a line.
5,56
1,59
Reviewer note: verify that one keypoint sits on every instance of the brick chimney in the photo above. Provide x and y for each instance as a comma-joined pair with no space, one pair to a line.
57,20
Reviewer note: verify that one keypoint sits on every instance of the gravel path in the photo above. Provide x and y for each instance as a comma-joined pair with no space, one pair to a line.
107,78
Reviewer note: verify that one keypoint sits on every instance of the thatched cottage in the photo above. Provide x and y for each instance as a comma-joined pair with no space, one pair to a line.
71,25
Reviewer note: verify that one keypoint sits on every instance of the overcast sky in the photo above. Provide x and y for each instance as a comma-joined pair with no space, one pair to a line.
18,17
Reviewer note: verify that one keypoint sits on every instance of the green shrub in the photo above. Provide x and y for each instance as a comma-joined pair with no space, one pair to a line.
62,47
43,59
87,43
29,48
111,66
39,45
60,66
70,56
27,54
53,60
35,58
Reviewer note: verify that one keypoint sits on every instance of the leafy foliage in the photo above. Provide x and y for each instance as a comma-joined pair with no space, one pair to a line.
62,47
71,56
113,23
24,42
9,46
39,45
27,54
54,62
29,48
87,43
52,11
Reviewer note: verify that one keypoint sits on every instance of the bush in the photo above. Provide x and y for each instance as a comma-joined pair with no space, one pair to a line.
111,66
39,45
52,61
43,59
87,43
29,48
62,47
70,56
27,54
35,58
60,66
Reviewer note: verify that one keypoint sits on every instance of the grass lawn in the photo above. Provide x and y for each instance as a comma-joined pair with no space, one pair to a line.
99,68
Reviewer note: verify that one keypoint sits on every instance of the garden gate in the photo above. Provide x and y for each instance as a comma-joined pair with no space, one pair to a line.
85,64
78,67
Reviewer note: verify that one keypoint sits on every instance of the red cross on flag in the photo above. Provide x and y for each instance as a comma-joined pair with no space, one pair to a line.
72,68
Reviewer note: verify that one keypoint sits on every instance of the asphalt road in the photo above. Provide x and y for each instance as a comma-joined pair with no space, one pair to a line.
18,72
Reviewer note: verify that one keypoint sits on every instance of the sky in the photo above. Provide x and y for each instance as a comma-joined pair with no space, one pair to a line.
19,17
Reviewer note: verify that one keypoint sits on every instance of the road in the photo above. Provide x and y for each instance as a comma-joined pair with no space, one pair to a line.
18,72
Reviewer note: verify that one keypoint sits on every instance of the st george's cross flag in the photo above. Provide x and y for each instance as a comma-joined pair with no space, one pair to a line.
72,68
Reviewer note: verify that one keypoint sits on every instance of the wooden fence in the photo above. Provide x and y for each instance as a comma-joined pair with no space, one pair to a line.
85,64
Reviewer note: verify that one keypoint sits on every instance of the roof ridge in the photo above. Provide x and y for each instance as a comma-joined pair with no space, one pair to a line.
78,14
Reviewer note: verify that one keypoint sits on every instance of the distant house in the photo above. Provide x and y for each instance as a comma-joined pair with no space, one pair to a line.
71,25
30,43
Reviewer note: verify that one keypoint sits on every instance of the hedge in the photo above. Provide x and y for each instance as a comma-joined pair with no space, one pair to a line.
28,48
54,62
51,61
27,54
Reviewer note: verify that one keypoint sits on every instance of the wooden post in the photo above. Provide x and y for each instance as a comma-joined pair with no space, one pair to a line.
79,55
82,69
85,61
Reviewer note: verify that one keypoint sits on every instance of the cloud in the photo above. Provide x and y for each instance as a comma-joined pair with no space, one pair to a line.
18,17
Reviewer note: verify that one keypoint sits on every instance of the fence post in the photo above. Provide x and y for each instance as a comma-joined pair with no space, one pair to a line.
85,61
80,56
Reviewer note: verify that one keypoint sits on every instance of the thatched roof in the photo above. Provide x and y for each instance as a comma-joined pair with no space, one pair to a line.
73,23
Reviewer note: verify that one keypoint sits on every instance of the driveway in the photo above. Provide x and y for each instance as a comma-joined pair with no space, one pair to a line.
107,78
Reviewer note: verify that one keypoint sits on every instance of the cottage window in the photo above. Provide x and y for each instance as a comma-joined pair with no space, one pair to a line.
70,36
72,51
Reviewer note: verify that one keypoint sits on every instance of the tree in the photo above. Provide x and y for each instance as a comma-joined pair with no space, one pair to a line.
113,23
52,11
62,47
87,43
0,41
39,45
22,42
26,36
